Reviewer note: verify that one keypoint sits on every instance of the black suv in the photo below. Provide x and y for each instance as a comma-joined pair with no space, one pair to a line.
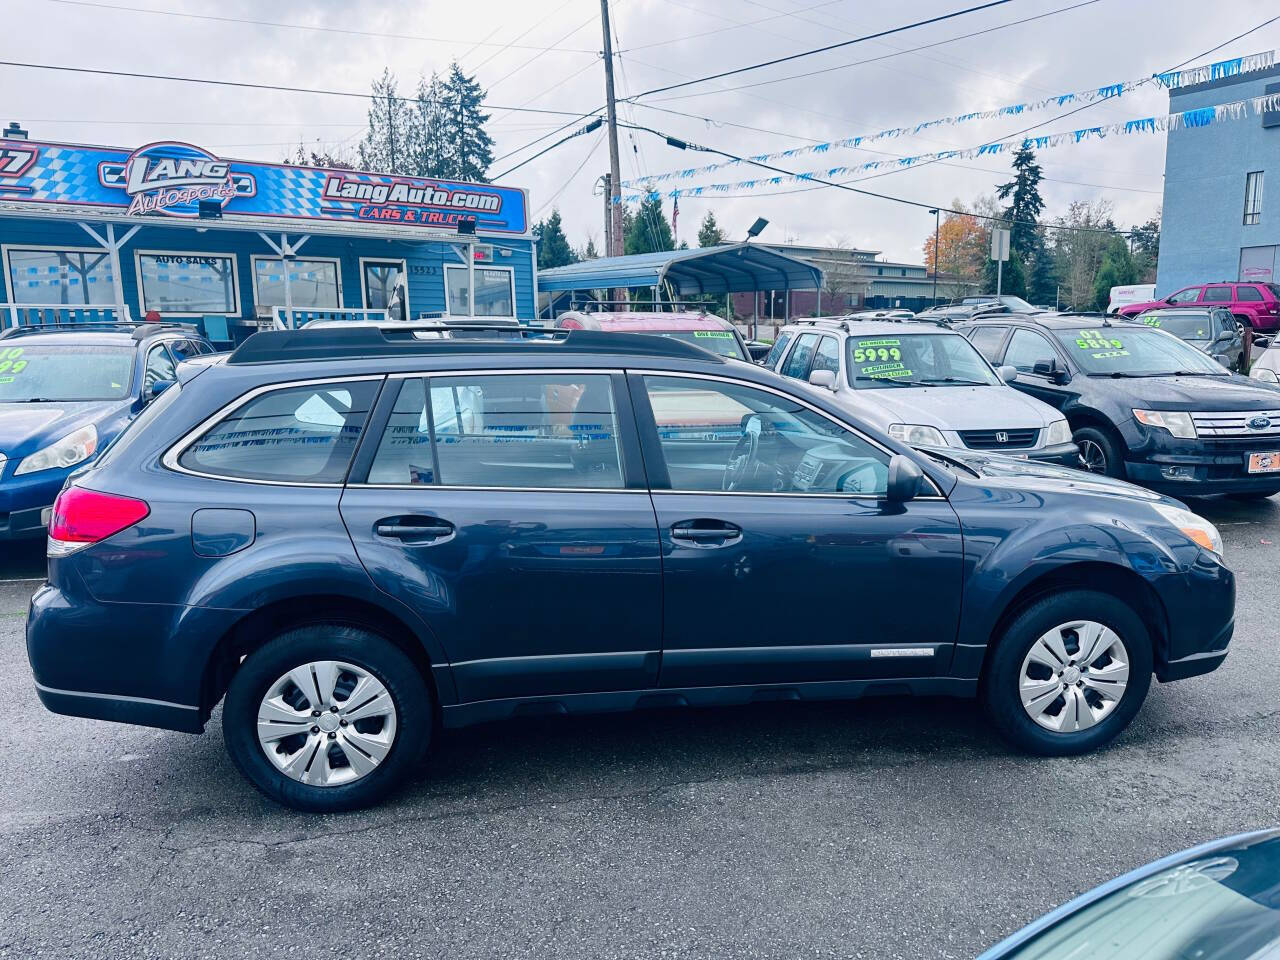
1142,404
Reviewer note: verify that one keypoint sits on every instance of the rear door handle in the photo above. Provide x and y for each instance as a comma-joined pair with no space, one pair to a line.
415,529
706,533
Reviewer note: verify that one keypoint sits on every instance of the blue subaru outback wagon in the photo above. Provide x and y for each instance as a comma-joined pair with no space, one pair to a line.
359,536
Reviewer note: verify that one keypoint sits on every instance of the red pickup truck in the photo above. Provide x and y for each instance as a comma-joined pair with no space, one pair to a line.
1257,304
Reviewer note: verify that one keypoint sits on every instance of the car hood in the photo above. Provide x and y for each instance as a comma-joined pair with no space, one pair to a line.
997,470
28,427
1198,393
957,408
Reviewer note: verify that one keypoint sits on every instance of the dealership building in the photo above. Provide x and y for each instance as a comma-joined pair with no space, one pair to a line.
1221,216
99,233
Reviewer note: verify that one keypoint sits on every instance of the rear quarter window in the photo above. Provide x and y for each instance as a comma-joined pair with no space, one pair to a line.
1248,294
299,434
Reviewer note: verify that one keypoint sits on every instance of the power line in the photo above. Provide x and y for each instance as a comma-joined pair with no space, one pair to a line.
304,26
244,85
886,56
831,46
733,25
573,176
593,125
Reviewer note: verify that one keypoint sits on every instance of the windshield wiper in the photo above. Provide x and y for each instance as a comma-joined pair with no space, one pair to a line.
957,380
30,400
897,382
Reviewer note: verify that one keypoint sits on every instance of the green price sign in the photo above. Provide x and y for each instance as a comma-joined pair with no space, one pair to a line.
11,362
714,334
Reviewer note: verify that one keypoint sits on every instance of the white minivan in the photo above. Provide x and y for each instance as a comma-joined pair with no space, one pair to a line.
922,384
1130,293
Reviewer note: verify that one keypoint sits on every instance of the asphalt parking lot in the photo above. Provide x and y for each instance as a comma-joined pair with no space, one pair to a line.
886,828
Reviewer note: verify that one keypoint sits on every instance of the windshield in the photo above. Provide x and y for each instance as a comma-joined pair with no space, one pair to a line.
64,373
721,342
1219,907
1187,324
915,360
1135,352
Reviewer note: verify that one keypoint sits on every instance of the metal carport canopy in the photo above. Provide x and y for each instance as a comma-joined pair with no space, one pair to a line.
728,268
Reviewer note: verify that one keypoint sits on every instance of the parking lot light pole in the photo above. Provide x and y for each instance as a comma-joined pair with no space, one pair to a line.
937,226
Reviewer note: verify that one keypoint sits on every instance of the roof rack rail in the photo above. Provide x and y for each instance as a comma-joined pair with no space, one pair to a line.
353,342
140,329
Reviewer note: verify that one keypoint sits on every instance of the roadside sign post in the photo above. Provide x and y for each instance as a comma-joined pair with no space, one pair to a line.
999,253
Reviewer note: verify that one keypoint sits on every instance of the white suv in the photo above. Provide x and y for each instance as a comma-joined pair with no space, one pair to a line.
922,384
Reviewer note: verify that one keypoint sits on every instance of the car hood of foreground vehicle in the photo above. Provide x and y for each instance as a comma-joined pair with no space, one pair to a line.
1210,393
28,427
1030,476
956,407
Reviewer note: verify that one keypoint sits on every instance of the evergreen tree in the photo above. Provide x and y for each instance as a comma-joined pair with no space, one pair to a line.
709,233
1146,249
384,147
647,229
1118,269
1013,279
428,147
1025,204
589,252
553,245
1042,282
464,120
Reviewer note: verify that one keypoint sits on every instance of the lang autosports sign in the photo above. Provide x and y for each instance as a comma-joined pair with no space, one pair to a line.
172,180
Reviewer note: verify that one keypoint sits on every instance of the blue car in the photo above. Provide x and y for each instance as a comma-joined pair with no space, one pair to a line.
65,392
1217,901
358,536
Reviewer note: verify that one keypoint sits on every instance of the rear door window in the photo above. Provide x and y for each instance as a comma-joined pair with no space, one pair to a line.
535,431
1219,294
303,434
798,361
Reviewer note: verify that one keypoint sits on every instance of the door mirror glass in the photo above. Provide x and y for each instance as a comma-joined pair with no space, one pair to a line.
823,378
1008,373
158,387
906,479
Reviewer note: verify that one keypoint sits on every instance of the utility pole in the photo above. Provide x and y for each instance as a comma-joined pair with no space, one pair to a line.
937,227
608,215
614,186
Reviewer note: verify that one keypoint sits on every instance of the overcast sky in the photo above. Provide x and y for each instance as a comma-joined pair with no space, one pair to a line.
661,42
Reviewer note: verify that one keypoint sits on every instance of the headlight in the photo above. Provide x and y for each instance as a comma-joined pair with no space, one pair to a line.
917,434
1262,373
1059,432
1178,424
1195,527
72,449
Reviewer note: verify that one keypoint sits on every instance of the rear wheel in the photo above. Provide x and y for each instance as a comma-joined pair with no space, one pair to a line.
1099,453
326,718
1069,673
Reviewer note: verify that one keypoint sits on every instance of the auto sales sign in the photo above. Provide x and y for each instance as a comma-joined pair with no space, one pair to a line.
172,179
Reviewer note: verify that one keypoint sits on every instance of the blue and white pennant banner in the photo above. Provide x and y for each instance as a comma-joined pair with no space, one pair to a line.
1202,117
1172,80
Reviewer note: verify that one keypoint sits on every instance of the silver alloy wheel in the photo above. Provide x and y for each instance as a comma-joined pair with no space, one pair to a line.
327,723
1074,676
1092,456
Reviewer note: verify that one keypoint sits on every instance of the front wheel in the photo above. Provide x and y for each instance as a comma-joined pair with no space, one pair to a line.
326,718
1099,452
1069,673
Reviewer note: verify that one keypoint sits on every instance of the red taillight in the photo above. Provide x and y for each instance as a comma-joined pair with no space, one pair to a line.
81,517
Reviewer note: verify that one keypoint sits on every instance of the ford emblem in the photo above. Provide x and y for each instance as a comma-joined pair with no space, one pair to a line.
1259,423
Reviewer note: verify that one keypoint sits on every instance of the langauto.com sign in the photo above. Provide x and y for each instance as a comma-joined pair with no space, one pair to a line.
171,179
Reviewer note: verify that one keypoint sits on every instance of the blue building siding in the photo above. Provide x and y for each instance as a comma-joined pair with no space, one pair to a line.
425,260
1203,230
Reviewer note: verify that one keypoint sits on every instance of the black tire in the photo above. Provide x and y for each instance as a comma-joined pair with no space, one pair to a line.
1093,441
1254,494
368,651
999,685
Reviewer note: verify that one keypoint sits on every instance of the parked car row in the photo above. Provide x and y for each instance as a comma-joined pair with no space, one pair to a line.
353,536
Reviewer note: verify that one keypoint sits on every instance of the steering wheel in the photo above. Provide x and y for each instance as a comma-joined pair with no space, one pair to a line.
744,467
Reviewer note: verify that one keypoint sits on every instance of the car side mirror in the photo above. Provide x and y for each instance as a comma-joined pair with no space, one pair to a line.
1007,373
906,479
1049,368
157,388
823,378
1262,342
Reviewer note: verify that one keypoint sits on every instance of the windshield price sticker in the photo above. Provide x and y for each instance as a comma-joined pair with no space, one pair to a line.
11,364
1151,321
1097,340
714,334
880,358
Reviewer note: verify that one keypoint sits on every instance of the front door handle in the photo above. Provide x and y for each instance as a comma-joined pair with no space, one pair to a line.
415,529
706,533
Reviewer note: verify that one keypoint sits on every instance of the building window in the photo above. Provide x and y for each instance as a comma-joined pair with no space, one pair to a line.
495,292
312,283
1253,197
73,277
188,283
